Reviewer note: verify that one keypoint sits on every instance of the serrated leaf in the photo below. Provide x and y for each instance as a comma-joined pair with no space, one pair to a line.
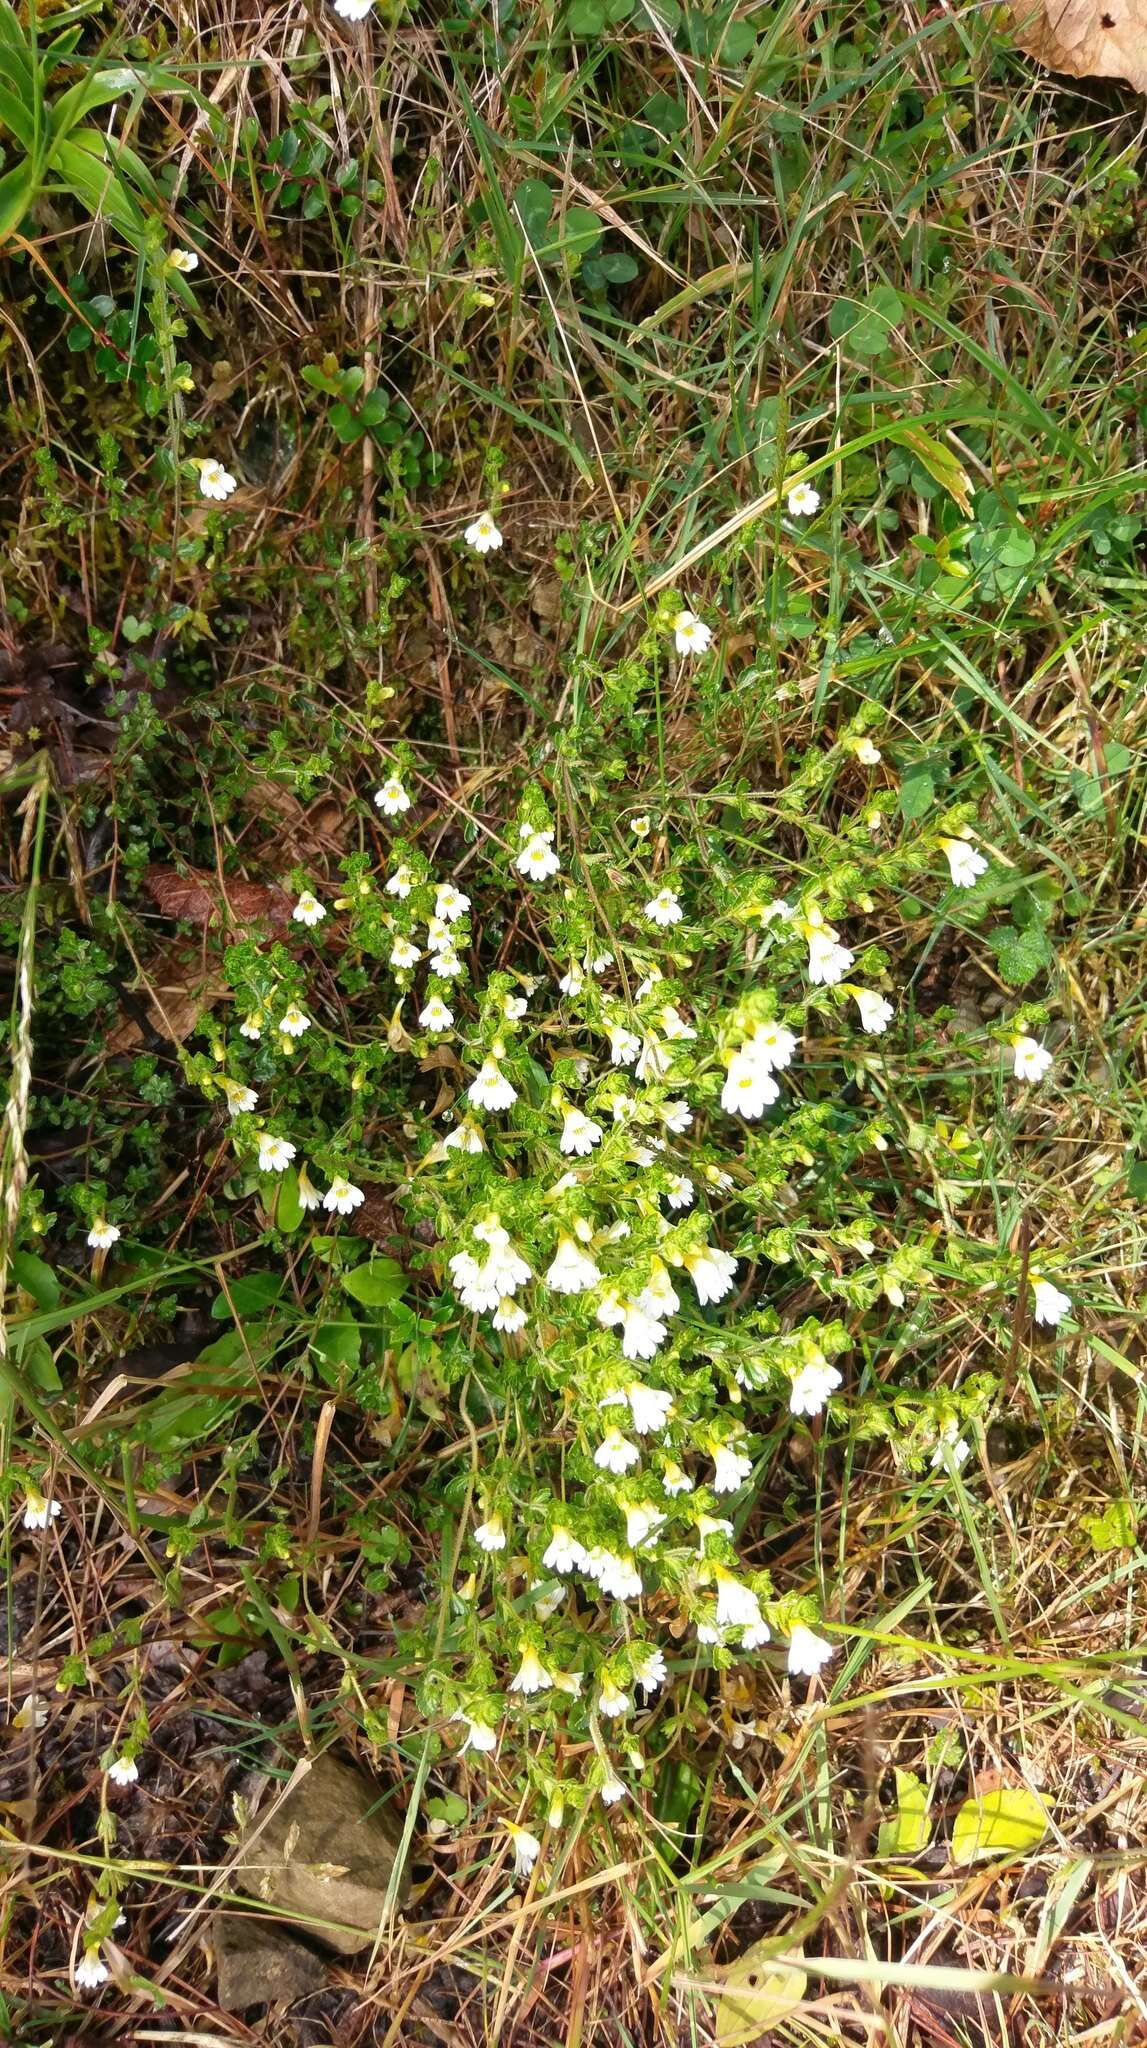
1117,1528
1004,1823
1020,955
756,1996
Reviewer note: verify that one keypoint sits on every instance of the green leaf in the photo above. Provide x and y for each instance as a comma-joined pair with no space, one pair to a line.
287,1209
757,1996
579,232
939,462
677,1795
1117,1528
917,791
910,1829
1004,1823
1020,955
38,1365
866,324
337,1344
376,1283
36,1278
586,18
18,188
533,204
250,1296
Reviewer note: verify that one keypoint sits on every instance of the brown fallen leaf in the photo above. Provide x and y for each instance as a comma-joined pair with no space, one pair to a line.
209,900
1085,38
176,989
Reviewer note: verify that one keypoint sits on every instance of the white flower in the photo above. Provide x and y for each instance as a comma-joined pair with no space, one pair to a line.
803,501
124,1771
392,800
664,908
828,962
659,1297
619,1577
309,1196
450,903
215,482
491,1534
642,826
572,984
711,1525
673,1023
103,1234
753,1637
239,1100
308,909
482,535
1032,1060
679,1192
650,1671
808,1653
490,1089
749,1086
649,1407
446,962
690,634
252,1026
183,260
780,908
353,10
640,1523
275,1154
527,1848
437,1015
479,1735
611,1700
564,1553
537,861
676,1116
91,1971
876,1012
642,1334
950,1453
401,881
514,1008
615,1453
571,1270
731,1468
711,1271
403,954
811,1388
867,752
464,1138
39,1511
612,1790
32,1714
1050,1303
624,1047
771,1044
737,1604
654,1062
531,1675
293,1022
579,1134
342,1197
964,862
510,1316
675,1481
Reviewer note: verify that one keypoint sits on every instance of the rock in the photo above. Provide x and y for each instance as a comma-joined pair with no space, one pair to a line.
325,1858
260,1962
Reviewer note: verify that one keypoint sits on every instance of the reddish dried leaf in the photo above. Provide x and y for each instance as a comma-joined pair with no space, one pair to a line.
207,901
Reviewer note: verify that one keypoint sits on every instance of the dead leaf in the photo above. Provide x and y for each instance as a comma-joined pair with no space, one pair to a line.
1085,38
176,989
208,900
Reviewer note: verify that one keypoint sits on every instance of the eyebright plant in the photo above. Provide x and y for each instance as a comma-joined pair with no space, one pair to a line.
647,1184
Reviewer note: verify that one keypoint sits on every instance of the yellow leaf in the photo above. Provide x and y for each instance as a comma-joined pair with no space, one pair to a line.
757,1996
1004,1823
908,1831
939,462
